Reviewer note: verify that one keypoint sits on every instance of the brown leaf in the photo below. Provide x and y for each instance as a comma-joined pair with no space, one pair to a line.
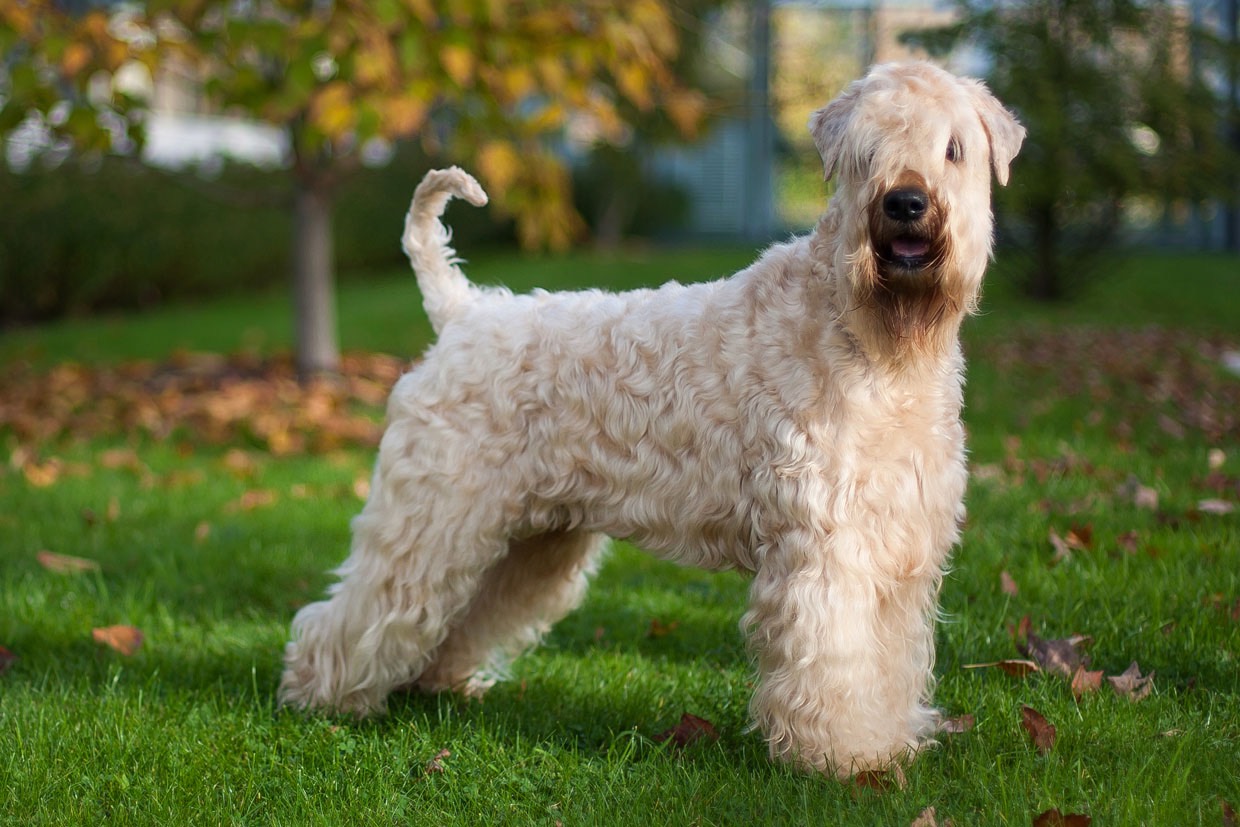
201,532
42,475
125,639
6,659
1131,684
1007,585
956,725
690,730
1229,815
251,500
880,780
1129,541
1041,732
1085,681
660,629
1015,668
65,564
1054,818
1059,656
1062,550
928,818
435,765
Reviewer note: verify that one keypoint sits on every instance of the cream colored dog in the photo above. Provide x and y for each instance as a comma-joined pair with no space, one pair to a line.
799,420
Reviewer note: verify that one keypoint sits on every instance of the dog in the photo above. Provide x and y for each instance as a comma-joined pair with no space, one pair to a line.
799,420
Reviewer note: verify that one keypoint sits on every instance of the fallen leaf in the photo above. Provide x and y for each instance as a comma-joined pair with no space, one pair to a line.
1015,668
1041,732
660,629
201,532
64,563
251,500
1054,818
928,818
691,729
1059,656
1131,684
125,639
1007,585
6,659
435,765
1217,507
42,475
1129,541
1085,681
1229,815
1062,550
957,724
1215,459
880,780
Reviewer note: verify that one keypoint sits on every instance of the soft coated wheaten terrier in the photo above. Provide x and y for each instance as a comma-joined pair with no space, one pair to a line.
799,420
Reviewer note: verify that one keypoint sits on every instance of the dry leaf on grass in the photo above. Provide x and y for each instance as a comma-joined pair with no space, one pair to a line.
690,730
1059,656
880,780
660,629
1041,732
6,659
1054,818
64,563
957,724
1085,682
1015,668
1131,684
435,765
1216,507
928,818
125,639
1007,585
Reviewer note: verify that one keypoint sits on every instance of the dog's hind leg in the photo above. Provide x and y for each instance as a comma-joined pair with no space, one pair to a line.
420,551
539,581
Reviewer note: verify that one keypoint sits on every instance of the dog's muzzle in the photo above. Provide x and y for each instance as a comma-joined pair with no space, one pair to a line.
905,228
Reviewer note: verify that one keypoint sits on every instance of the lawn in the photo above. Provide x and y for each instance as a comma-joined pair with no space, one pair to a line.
201,501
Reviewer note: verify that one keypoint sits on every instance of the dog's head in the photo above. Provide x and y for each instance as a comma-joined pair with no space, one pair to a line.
912,148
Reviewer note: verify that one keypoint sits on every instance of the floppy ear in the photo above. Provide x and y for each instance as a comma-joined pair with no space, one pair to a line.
1002,129
828,126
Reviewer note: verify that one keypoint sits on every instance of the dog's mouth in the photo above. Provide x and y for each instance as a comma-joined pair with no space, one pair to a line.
909,253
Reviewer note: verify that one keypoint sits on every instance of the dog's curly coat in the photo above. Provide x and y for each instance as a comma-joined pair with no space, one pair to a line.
799,420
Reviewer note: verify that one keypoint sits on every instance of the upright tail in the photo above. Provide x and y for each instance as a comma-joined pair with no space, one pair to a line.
445,290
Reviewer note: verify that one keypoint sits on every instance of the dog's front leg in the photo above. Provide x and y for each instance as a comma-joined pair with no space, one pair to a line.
844,654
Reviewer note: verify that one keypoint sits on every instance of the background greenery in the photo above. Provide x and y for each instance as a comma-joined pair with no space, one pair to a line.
186,730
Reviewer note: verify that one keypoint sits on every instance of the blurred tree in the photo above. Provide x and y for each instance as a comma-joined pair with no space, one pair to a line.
1114,112
486,80
59,67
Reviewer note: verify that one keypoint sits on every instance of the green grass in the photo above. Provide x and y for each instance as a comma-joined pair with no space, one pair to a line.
186,731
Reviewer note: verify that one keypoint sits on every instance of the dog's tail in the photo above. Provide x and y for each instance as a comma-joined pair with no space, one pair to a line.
445,290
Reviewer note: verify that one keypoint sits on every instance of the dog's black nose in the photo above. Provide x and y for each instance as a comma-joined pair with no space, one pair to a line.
905,204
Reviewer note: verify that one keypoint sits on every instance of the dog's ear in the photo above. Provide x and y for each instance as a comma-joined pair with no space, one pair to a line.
1002,129
828,126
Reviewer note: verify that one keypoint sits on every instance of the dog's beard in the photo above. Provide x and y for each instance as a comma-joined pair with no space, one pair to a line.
907,279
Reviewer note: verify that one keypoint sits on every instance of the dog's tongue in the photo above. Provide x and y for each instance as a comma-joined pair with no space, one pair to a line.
909,247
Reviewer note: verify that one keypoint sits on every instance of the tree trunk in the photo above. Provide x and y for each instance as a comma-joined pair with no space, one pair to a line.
314,298
1044,281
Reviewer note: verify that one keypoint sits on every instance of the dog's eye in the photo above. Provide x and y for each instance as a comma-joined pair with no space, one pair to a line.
954,153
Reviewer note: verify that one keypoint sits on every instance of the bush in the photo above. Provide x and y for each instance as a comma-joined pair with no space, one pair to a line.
84,238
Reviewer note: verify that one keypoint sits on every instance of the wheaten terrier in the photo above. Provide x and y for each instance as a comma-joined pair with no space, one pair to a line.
799,420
